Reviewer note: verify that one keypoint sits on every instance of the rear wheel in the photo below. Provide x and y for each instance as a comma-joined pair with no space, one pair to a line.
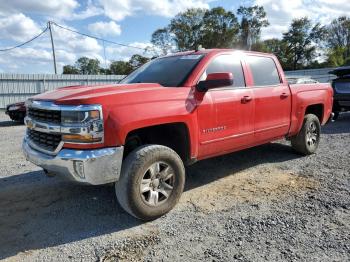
151,181
308,138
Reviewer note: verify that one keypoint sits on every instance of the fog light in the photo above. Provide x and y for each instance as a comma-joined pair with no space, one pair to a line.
79,168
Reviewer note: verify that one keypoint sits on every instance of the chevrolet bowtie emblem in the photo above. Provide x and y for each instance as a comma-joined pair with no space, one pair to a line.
30,124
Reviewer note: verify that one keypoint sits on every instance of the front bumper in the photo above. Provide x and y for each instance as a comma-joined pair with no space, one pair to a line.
94,167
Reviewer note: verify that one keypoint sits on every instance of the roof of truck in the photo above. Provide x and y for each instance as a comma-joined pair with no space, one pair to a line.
217,50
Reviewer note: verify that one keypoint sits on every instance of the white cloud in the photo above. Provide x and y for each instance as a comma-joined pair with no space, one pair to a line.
280,13
105,28
91,9
119,9
18,27
124,53
62,8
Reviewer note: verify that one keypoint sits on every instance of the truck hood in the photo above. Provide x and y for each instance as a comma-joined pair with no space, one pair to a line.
113,94
86,92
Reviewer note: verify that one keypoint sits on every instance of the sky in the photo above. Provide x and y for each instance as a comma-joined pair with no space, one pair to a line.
130,22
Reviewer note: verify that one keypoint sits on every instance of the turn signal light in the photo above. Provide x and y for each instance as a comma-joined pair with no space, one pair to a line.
80,138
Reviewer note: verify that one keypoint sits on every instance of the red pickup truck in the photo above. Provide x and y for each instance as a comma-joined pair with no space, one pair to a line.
171,112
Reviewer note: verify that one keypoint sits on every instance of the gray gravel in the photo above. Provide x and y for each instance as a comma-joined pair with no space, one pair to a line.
265,203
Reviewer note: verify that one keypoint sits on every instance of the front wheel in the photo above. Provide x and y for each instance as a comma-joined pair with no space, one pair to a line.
308,138
151,182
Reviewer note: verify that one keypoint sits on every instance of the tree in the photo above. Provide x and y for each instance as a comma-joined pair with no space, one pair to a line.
337,39
70,70
187,28
138,60
120,68
215,28
163,39
276,46
253,19
301,39
88,66
220,29
336,56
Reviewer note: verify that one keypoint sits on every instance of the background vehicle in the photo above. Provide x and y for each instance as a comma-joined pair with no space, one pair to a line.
171,112
341,87
16,111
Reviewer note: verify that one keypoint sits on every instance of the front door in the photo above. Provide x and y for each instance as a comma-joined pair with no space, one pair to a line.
226,115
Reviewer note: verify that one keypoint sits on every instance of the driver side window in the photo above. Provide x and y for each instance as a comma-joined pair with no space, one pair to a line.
227,64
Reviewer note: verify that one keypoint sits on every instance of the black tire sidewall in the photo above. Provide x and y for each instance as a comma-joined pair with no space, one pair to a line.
133,173
312,119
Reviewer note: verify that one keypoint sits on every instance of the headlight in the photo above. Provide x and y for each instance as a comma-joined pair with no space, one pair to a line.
82,126
79,117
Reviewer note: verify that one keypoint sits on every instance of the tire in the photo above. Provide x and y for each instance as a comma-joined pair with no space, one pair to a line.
139,172
307,140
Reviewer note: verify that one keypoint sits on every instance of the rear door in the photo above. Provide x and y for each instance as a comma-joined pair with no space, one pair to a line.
272,99
226,114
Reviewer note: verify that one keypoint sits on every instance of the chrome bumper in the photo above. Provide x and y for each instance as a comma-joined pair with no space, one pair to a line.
95,167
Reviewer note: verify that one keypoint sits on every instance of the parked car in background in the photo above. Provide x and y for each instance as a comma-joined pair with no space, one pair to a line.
16,111
341,87
171,112
300,80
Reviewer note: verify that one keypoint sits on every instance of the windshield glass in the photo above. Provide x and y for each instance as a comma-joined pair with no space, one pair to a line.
169,71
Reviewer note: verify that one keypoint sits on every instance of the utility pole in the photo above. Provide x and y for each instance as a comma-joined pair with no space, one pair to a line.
53,47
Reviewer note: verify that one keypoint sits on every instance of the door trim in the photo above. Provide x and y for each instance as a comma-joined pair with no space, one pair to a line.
226,138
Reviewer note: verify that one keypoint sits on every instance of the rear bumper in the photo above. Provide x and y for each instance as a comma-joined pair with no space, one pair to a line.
94,167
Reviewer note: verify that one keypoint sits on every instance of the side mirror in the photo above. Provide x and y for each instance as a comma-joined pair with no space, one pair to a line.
215,80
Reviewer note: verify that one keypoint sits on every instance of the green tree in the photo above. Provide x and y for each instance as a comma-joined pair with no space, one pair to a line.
215,28
187,28
220,29
337,39
120,68
336,57
138,60
253,19
88,66
70,70
278,47
301,39
163,39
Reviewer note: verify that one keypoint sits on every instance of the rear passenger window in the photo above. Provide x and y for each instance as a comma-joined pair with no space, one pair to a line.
227,64
264,70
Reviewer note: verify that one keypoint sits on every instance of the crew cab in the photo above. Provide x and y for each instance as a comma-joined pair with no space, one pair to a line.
171,112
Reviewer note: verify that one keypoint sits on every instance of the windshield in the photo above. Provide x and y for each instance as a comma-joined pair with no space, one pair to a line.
169,71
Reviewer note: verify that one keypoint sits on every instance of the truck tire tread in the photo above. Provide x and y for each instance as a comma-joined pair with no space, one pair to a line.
135,162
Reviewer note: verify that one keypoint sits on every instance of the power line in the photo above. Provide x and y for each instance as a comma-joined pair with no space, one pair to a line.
97,38
26,42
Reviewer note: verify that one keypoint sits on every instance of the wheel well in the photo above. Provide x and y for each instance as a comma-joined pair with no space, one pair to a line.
317,110
174,135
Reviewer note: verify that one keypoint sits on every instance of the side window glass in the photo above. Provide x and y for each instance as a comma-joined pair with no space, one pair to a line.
226,63
264,70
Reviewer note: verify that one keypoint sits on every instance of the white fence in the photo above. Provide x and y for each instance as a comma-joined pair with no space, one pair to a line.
19,87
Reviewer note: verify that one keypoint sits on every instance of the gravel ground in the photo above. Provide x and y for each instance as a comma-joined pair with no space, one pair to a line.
265,203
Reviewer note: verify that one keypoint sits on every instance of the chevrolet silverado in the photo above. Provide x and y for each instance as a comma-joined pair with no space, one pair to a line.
169,113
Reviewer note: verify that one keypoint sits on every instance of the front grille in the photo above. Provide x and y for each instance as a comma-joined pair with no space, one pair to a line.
45,141
48,116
